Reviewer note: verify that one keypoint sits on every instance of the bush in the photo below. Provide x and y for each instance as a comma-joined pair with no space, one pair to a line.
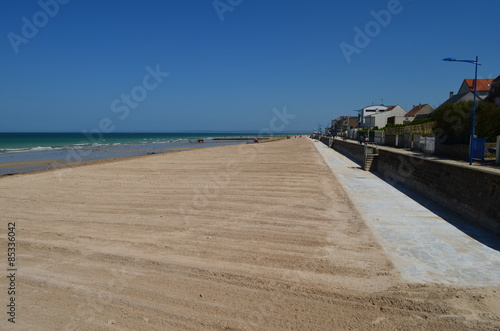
421,121
488,121
454,120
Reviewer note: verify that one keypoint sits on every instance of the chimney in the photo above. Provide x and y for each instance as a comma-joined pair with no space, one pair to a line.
451,94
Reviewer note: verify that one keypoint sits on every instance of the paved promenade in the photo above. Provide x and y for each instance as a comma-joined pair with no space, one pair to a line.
423,246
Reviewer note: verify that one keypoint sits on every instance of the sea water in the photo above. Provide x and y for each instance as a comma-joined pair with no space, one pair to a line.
27,152
26,142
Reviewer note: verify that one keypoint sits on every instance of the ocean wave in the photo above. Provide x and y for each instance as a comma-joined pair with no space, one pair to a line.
27,149
105,143
47,148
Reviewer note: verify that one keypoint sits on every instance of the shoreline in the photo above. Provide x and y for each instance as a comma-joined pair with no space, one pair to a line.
22,142
65,165
29,162
14,163
24,164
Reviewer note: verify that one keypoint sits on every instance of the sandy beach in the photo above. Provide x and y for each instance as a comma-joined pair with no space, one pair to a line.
244,237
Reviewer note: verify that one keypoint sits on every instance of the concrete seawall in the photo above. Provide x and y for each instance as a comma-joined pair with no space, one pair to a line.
352,150
470,191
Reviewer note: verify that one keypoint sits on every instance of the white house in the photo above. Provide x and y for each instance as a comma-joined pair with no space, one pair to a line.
379,118
367,111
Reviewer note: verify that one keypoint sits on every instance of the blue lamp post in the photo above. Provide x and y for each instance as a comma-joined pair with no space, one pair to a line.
359,122
473,129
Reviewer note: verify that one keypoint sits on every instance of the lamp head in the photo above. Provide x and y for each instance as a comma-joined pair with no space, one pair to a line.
451,59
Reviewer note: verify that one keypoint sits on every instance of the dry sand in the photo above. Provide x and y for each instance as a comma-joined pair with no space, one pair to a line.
250,237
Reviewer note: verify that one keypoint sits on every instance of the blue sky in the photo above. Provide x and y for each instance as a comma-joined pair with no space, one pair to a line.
275,65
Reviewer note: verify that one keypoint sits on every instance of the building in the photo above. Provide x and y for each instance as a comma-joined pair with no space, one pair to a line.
380,118
466,91
494,94
483,87
419,111
352,122
370,110
344,123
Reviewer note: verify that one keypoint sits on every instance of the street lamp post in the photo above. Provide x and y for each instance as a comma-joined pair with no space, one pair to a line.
359,121
473,129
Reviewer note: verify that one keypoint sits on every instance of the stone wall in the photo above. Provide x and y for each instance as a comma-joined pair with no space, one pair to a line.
472,192
326,140
353,150
457,152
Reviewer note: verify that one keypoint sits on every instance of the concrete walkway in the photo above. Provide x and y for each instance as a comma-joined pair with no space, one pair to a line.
423,246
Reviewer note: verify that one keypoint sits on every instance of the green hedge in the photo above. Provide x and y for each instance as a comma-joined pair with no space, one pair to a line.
454,120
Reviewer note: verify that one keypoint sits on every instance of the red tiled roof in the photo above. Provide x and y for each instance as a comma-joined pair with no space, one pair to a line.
415,110
482,84
390,108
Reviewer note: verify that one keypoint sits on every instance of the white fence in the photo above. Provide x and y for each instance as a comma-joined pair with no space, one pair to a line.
427,144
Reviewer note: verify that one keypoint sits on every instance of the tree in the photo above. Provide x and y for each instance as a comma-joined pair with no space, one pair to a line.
453,122
488,121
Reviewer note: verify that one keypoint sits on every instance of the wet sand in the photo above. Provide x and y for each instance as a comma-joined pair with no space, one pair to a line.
28,163
248,237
